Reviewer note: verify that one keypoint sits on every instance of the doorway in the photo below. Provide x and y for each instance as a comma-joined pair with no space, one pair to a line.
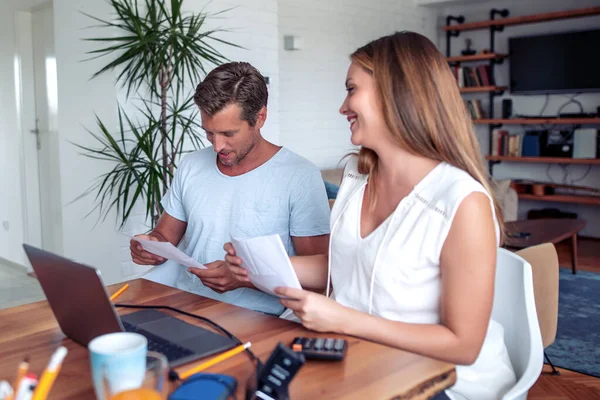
38,88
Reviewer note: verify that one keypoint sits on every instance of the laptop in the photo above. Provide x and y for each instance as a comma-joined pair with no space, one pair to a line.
84,311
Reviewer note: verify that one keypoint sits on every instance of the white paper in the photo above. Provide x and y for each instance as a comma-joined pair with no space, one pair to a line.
168,251
267,263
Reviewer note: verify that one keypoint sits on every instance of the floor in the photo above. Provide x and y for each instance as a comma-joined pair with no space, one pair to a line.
16,287
571,385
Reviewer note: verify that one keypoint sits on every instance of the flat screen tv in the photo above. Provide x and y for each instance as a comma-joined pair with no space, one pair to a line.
556,63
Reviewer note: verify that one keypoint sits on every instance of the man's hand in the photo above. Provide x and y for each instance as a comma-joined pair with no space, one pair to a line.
141,256
231,257
222,276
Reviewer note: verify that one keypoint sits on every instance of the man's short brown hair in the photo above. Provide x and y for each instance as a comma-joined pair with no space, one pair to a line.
234,82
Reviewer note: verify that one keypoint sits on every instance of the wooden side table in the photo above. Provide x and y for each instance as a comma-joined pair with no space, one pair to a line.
531,232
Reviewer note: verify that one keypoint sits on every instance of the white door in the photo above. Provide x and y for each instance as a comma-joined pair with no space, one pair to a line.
39,128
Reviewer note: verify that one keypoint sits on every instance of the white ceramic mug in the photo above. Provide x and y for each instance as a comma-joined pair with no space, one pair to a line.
113,354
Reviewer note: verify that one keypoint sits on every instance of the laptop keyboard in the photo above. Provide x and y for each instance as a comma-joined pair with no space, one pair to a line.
171,350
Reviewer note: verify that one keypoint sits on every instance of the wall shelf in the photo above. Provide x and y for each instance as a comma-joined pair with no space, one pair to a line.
528,19
482,89
499,18
562,198
538,121
547,160
476,57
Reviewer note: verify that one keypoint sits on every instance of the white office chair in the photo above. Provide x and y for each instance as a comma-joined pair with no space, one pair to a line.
514,308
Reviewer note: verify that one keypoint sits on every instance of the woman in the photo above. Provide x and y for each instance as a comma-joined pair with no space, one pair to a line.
414,229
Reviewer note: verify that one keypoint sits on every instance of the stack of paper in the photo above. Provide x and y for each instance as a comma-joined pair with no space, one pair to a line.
267,263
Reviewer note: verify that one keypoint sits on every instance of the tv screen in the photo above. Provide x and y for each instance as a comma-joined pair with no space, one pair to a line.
557,63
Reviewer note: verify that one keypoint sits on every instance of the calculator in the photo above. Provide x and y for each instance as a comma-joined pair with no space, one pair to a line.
321,348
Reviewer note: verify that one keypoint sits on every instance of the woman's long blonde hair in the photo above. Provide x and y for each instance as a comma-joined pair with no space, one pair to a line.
422,106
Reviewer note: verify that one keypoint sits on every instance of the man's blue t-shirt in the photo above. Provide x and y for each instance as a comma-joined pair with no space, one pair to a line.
286,195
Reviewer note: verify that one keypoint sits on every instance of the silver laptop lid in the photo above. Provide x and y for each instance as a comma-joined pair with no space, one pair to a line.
76,296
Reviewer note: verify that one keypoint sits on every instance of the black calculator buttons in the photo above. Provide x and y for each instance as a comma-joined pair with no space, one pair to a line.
339,345
320,348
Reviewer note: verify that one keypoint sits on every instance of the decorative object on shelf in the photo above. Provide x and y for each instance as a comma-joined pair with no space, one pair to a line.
532,144
557,143
506,108
468,51
585,143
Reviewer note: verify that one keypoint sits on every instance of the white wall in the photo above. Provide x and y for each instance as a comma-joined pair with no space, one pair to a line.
79,98
532,105
312,78
251,24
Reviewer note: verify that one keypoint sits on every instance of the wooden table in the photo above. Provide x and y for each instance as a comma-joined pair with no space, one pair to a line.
369,370
545,231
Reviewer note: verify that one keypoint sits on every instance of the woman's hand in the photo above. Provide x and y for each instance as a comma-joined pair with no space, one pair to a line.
317,312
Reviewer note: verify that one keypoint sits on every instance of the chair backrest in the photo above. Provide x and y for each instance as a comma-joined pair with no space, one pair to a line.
544,266
514,309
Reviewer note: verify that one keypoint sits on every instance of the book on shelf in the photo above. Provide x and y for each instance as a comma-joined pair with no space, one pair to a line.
475,109
480,75
506,144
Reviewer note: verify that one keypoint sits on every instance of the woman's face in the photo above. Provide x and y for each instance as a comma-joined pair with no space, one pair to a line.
361,108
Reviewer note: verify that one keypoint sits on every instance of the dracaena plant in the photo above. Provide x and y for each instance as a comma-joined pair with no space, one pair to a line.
158,53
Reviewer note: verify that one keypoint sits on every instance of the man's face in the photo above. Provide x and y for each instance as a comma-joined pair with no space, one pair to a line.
232,138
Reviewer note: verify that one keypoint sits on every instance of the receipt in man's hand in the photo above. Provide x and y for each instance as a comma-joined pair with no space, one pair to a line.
267,263
168,251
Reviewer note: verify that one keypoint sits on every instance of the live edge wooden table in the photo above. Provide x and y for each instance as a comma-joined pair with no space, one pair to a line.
369,370
544,231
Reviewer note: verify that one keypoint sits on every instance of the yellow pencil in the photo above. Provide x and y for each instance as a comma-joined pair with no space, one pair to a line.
118,292
49,375
21,372
215,360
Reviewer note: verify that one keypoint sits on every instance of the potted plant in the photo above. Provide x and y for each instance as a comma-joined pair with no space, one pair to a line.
159,53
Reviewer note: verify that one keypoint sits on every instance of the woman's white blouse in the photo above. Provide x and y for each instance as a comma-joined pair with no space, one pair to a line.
394,272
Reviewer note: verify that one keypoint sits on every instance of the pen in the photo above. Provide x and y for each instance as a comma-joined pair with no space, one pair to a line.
215,360
6,391
21,372
118,292
26,387
50,373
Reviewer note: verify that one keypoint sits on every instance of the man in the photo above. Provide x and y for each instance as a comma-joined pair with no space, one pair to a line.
243,187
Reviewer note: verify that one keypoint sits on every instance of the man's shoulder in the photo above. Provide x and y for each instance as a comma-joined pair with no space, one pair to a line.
292,162
198,157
